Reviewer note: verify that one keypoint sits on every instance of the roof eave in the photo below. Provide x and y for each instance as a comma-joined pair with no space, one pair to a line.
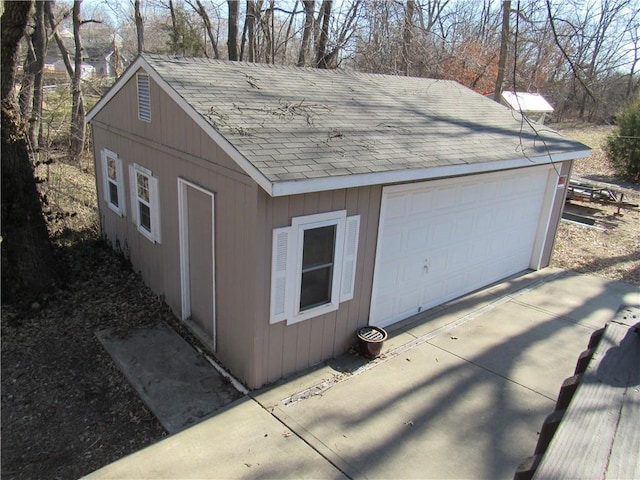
293,187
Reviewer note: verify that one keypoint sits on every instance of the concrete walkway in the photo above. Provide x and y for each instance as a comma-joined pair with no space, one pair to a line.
176,382
460,392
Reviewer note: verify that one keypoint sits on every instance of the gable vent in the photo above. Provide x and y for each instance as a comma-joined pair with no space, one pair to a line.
144,97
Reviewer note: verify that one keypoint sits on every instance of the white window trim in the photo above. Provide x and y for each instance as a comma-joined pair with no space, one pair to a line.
105,155
153,204
286,267
142,117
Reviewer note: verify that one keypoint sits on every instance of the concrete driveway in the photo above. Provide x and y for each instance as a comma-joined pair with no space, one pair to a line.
460,392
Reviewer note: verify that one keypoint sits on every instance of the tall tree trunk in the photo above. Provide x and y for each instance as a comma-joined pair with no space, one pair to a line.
407,34
200,10
139,25
232,32
250,26
25,99
330,58
28,264
504,40
309,12
78,123
288,34
74,73
266,24
174,29
36,133
243,41
321,47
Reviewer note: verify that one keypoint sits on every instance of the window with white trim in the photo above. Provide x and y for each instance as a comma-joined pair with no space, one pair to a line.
145,203
313,265
113,181
144,97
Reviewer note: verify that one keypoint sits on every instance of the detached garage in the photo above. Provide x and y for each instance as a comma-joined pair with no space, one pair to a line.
279,209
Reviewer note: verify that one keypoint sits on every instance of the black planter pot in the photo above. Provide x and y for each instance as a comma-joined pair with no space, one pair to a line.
370,340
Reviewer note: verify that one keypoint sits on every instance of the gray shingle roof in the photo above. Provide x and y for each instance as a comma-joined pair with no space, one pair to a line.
301,123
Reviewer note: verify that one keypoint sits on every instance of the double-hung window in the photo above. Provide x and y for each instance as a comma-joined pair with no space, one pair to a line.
313,265
145,203
318,265
113,181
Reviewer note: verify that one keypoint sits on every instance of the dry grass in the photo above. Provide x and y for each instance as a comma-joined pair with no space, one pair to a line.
613,252
71,195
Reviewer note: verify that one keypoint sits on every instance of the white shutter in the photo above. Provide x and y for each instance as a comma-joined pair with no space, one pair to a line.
133,184
105,176
350,254
121,191
154,197
279,253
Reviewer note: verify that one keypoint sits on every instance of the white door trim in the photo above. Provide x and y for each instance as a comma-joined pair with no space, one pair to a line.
183,226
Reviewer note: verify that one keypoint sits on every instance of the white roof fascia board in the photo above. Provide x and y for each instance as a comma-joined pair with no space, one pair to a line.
366,179
222,142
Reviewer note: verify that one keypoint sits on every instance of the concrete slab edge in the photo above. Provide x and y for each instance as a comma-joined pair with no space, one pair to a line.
315,443
233,380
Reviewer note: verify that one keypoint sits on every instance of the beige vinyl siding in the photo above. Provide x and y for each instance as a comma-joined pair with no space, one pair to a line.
289,348
173,146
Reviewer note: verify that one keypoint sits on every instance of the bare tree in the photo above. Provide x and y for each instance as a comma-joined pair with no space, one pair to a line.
407,34
32,79
200,10
309,12
324,18
78,116
137,15
327,55
592,39
232,33
250,32
288,34
504,40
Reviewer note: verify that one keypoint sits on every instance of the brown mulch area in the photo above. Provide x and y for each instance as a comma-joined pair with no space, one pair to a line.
66,408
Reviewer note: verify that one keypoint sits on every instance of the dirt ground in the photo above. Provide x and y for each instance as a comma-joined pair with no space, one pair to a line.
66,408
612,250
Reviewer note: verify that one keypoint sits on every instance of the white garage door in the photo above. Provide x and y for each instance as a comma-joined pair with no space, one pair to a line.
441,239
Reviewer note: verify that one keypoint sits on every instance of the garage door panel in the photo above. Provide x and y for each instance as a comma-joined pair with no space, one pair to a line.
417,237
395,207
391,280
422,203
470,232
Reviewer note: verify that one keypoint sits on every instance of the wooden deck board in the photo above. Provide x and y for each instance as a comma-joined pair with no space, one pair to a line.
598,436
